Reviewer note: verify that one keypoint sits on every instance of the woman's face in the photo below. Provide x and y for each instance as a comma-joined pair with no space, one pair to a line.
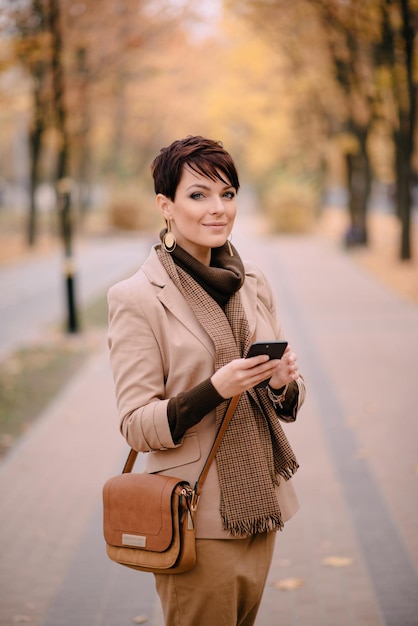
202,214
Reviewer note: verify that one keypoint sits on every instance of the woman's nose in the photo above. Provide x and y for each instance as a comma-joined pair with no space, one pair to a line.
217,205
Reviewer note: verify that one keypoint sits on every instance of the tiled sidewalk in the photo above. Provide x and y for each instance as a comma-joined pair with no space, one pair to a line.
49,487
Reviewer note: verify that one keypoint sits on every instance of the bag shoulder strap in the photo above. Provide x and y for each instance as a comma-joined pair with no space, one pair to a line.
221,431
130,461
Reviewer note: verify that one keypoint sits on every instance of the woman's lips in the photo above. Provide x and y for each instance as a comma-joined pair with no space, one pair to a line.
216,225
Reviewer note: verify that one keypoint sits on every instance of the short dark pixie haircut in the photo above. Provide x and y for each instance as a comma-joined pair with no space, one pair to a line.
205,156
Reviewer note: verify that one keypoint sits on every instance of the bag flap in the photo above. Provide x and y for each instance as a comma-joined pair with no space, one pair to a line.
138,510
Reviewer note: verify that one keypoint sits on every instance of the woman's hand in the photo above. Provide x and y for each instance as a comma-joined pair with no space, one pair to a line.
242,374
286,370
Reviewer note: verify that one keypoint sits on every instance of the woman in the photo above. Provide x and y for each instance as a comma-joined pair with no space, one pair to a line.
179,330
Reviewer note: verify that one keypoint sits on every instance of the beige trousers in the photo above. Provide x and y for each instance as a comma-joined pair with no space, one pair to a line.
224,588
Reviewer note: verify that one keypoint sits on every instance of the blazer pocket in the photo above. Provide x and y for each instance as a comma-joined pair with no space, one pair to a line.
162,460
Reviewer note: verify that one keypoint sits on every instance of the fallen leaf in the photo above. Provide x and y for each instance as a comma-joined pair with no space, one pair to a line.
289,584
337,561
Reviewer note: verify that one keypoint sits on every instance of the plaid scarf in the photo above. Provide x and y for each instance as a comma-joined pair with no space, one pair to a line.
254,452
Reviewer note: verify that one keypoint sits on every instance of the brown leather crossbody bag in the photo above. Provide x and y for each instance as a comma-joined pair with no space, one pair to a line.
149,519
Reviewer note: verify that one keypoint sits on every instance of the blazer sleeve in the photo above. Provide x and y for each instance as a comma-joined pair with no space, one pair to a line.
138,374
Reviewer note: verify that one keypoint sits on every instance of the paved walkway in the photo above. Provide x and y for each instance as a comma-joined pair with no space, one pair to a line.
33,291
350,556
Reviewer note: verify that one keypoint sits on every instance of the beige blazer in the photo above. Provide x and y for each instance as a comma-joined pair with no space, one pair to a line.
159,349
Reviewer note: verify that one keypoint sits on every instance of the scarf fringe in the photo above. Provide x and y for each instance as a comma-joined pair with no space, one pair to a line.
253,526
289,471
264,524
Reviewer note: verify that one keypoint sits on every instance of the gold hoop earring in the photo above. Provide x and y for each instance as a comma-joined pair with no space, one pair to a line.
228,242
169,239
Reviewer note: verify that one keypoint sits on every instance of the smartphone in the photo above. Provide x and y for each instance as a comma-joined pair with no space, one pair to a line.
274,349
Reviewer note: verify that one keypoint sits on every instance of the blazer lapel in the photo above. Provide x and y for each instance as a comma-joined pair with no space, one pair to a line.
249,300
174,301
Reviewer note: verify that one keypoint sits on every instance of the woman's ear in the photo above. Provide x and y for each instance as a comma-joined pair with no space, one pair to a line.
163,204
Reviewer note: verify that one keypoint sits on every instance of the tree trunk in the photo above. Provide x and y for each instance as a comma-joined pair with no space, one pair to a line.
58,90
403,144
404,137
39,71
35,141
359,186
63,173
84,152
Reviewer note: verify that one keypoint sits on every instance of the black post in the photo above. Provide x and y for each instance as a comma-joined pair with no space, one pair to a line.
64,194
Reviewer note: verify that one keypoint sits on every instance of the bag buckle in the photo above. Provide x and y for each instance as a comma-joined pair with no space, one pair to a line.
194,501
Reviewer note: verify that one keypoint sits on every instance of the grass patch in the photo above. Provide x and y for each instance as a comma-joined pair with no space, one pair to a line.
95,315
33,376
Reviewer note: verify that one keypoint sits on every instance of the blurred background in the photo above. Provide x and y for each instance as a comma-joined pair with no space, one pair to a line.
315,99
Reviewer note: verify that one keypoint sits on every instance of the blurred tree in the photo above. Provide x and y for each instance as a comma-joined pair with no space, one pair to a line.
335,37
60,109
350,30
275,84
379,66
397,60
112,57
362,39
63,43
278,100
29,24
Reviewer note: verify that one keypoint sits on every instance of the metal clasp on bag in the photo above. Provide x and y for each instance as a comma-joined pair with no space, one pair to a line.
194,501
188,494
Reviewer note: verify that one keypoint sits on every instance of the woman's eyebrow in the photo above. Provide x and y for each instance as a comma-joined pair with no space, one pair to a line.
199,185
206,187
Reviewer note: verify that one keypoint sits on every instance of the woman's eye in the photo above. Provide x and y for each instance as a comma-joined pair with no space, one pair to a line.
229,194
197,195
